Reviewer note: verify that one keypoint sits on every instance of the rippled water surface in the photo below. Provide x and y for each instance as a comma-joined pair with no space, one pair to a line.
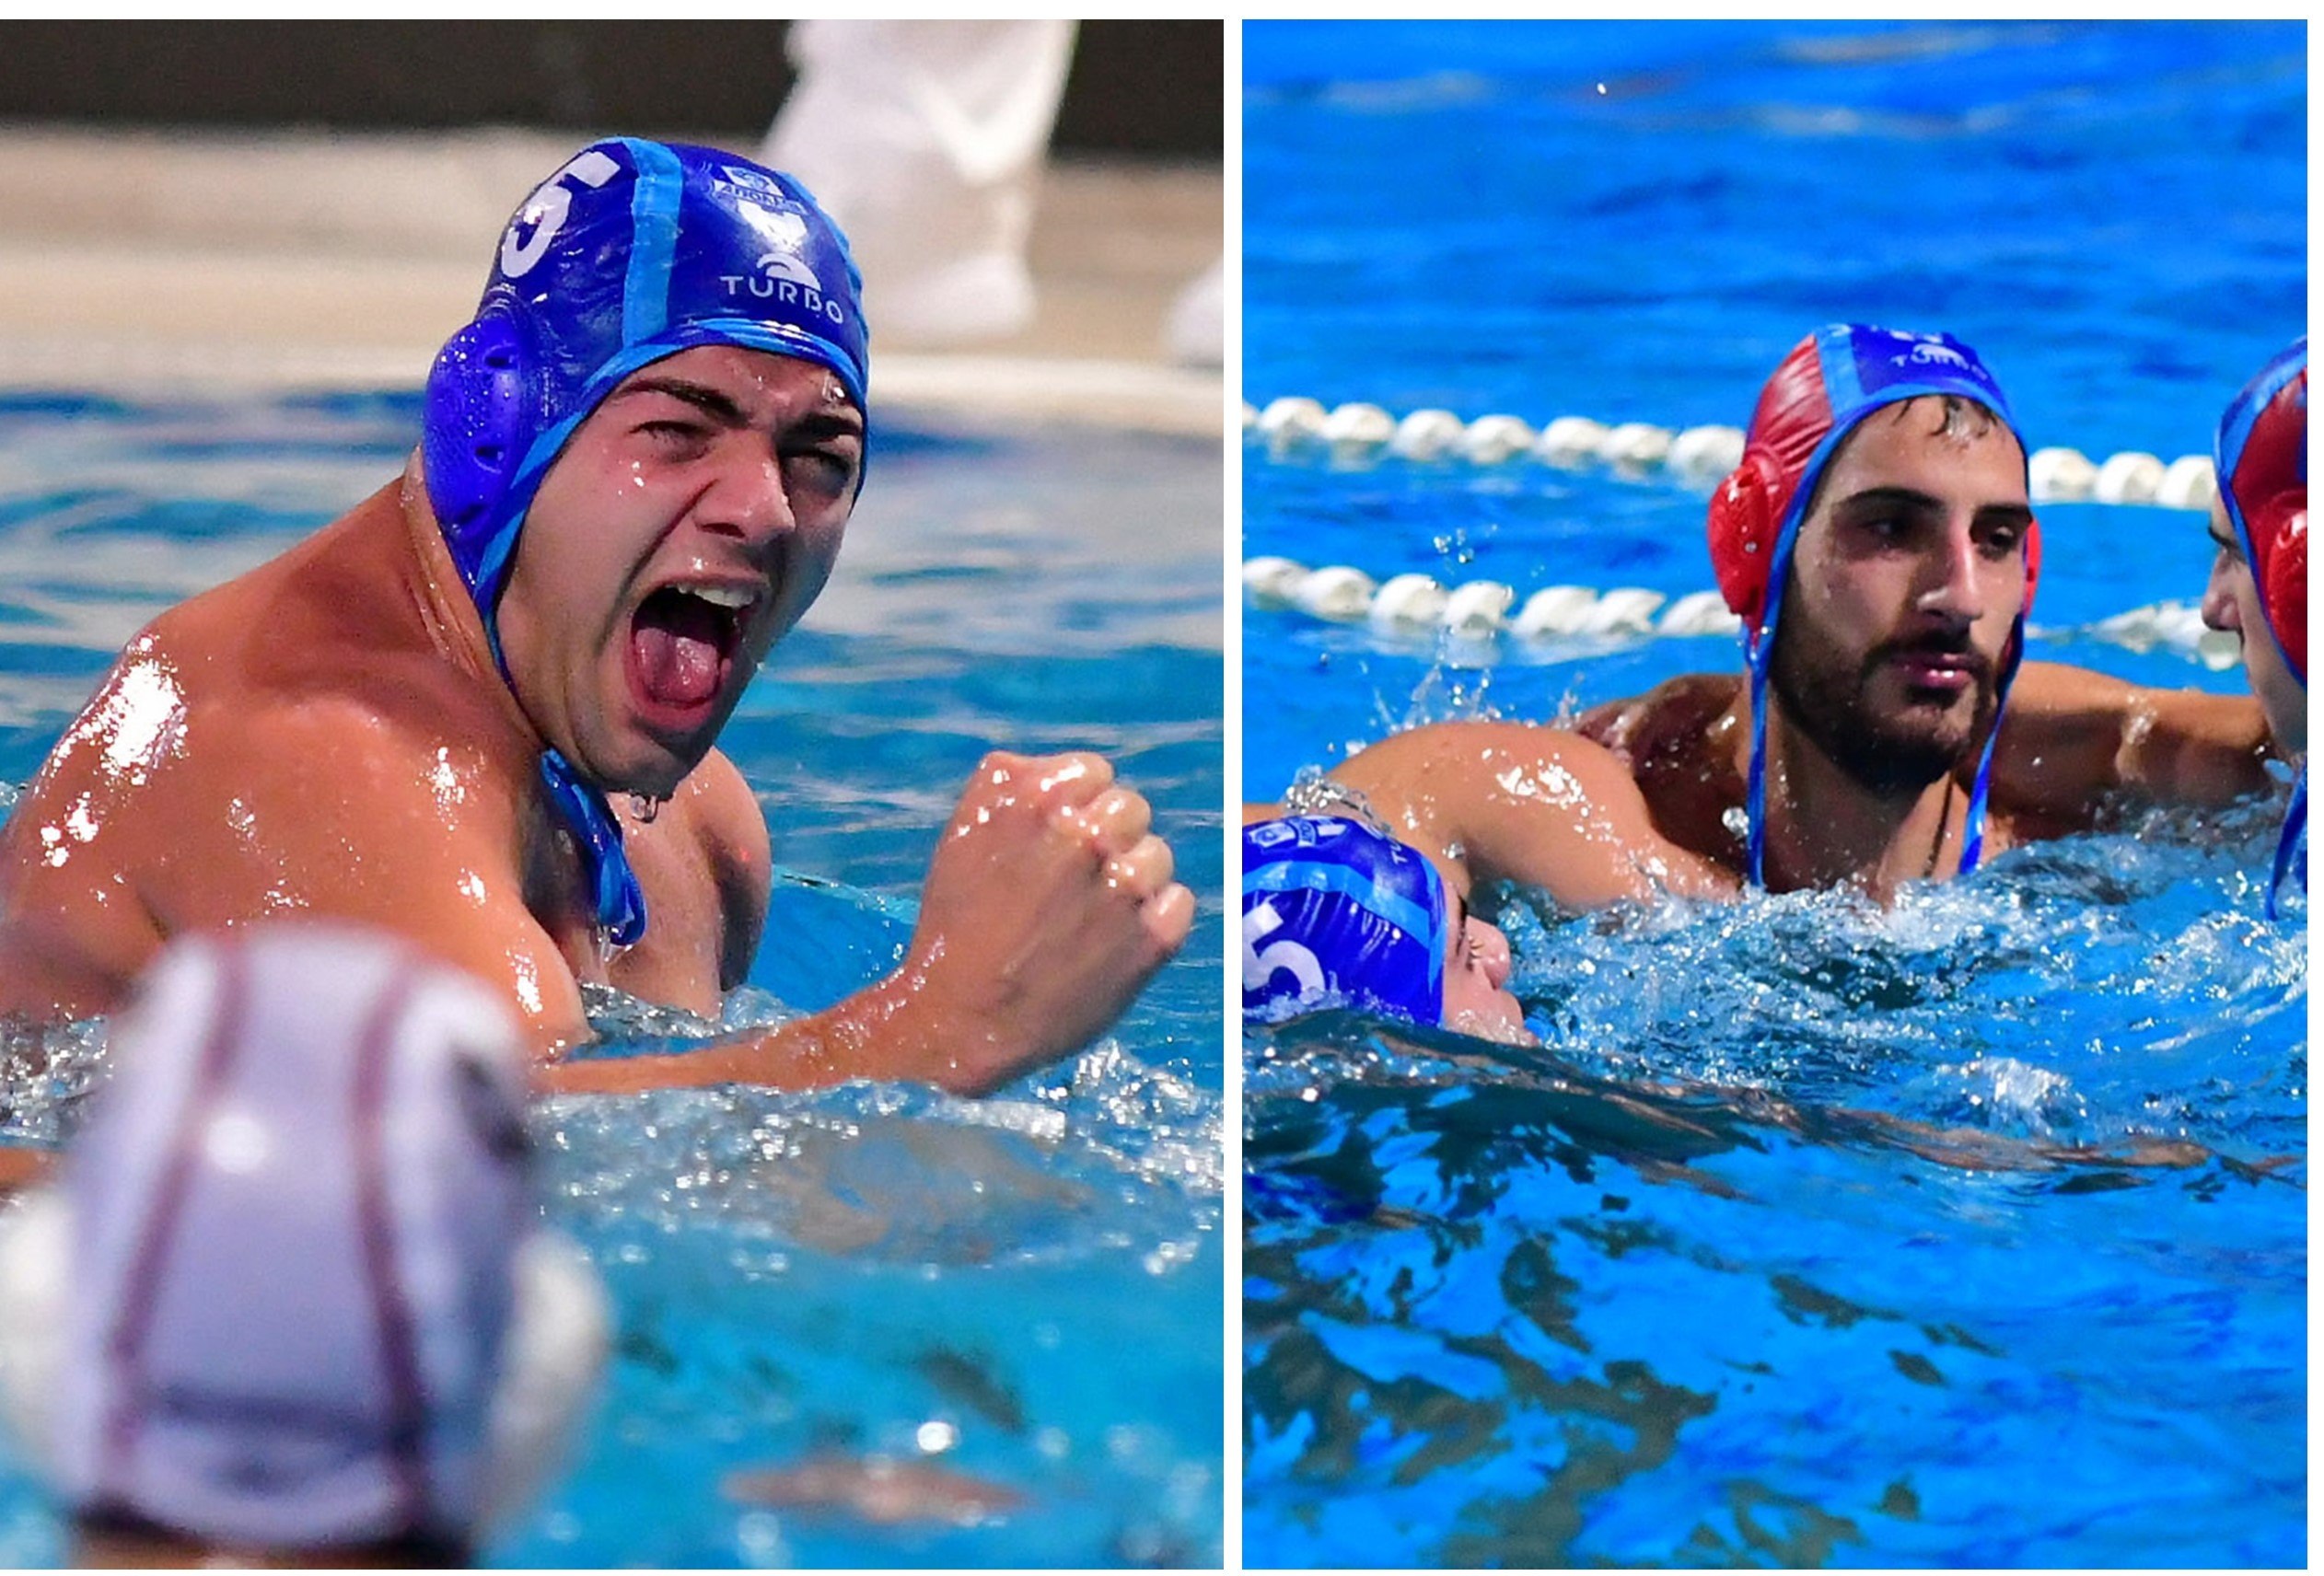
1970,1232
818,1296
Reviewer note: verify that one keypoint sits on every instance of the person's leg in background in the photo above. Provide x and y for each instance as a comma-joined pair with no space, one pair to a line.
926,140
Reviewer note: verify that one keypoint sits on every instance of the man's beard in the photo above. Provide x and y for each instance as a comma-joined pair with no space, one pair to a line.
1890,755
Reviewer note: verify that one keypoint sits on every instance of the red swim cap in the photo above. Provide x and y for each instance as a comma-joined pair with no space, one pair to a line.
1829,382
2263,463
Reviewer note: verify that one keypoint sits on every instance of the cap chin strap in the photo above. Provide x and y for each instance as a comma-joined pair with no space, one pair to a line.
2288,844
1973,824
1756,655
619,901
555,1354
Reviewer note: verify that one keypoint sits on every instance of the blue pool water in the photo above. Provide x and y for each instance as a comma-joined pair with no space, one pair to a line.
1970,1232
870,1273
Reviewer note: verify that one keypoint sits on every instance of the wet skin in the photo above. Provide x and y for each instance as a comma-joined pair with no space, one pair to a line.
327,735
720,472
1907,577
2231,603
1477,964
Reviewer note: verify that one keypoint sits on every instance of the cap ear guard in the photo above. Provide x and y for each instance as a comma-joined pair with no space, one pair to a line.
476,430
554,1357
2033,561
2285,520
1742,529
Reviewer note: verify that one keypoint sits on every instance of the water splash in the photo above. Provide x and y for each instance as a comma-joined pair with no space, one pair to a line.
1798,1192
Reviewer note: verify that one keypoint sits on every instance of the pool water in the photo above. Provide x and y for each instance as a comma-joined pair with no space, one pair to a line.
1968,1232
874,1272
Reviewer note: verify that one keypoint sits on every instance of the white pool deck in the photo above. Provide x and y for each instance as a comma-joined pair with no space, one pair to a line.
184,261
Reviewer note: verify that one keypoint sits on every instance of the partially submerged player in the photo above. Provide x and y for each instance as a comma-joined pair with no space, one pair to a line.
1335,912
2259,577
1878,543
479,710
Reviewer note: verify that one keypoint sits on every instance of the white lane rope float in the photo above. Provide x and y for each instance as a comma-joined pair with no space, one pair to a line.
1413,607
1296,428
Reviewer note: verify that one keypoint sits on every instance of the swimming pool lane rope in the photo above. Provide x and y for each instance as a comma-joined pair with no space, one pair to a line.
1296,429
1420,608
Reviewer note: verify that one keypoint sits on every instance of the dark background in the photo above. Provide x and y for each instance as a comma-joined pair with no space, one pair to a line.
1148,90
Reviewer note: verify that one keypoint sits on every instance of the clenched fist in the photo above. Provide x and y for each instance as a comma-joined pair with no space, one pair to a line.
1048,903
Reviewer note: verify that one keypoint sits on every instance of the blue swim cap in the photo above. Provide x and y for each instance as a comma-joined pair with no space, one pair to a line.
633,251
1823,391
1333,909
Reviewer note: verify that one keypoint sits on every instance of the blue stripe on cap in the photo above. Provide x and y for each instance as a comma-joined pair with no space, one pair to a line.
1836,357
1357,886
654,200
783,339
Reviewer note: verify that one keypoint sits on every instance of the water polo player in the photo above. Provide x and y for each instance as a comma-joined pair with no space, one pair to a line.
1336,913
1878,542
290,1300
2258,579
479,709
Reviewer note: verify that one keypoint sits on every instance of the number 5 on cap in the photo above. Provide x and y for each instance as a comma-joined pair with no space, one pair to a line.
1289,955
546,207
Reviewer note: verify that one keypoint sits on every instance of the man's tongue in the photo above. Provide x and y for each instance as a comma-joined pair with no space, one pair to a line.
678,641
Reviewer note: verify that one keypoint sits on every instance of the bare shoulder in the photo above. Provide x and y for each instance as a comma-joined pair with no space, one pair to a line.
1672,717
730,832
333,805
183,798
248,774
1540,805
723,811
314,789
2071,736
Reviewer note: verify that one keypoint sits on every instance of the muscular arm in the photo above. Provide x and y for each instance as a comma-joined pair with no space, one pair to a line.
1048,905
1512,801
2072,736
2069,738
338,814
